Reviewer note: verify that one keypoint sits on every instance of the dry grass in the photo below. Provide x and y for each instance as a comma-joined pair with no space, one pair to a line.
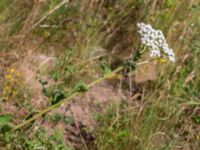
78,35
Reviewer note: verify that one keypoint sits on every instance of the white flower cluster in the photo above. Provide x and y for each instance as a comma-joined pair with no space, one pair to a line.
155,40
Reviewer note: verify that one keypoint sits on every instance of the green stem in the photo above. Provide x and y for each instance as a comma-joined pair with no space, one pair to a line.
72,95
44,112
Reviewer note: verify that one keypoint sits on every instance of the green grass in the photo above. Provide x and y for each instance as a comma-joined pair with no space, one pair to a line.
84,34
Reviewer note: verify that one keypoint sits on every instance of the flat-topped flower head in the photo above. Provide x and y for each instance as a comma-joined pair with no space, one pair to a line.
155,41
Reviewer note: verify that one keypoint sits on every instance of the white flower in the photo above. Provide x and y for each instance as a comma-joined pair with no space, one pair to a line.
154,53
155,41
172,59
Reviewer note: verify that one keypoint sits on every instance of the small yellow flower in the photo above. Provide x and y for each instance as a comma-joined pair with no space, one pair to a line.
12,70
8,76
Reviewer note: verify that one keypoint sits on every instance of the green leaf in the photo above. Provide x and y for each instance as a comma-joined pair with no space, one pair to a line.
81,86
137,56
5,119
68,119
196,119
130,64
43,82
105,67
46,92
57,96
170,3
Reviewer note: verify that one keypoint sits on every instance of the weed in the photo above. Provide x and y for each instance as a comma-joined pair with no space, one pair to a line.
12,87
90,39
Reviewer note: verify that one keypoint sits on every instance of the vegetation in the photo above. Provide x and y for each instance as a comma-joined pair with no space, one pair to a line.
55,53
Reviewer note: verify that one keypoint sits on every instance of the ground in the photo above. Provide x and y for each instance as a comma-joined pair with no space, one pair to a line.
50,49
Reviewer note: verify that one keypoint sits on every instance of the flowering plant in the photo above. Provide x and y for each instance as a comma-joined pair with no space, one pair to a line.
155,41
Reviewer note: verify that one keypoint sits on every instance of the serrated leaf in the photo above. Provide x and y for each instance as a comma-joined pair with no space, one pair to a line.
105,67
5,119
57,96
81,86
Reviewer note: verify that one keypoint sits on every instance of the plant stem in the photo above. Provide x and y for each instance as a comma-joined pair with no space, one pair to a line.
72,95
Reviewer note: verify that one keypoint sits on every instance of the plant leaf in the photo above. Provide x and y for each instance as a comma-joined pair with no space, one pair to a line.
105,67
81,86
5,119
57,96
